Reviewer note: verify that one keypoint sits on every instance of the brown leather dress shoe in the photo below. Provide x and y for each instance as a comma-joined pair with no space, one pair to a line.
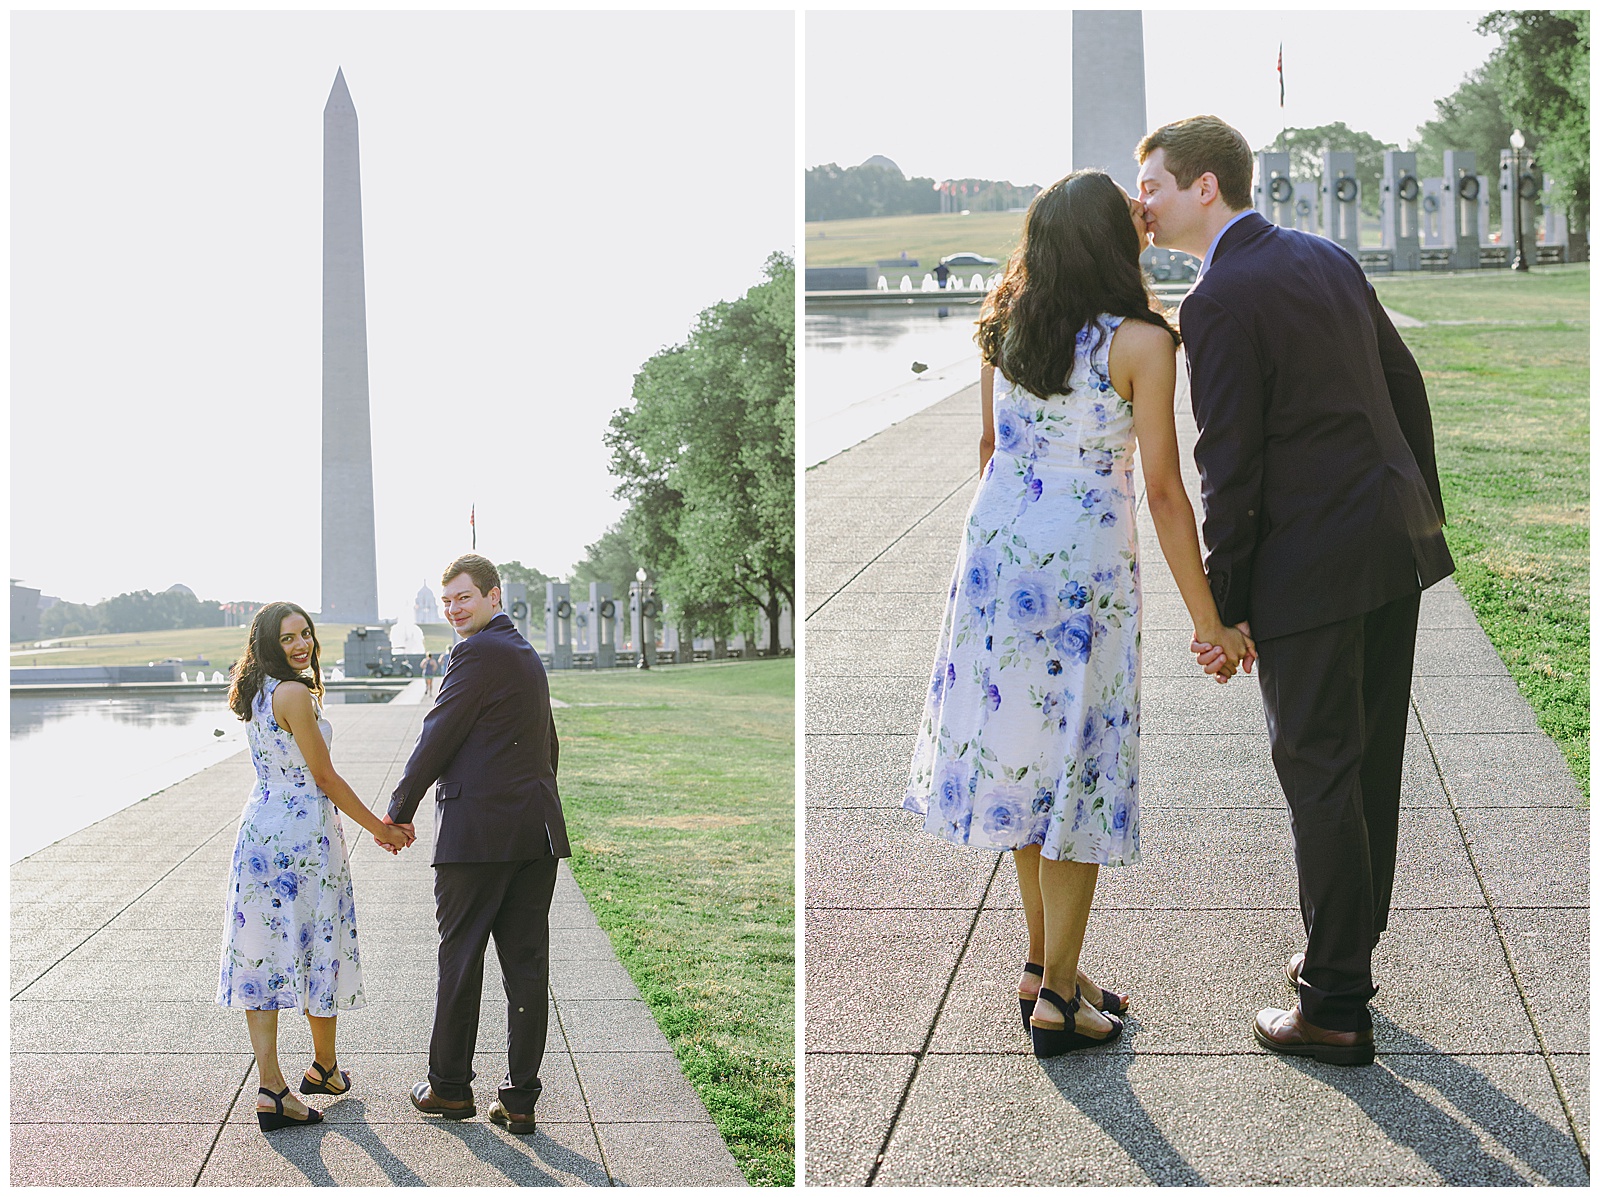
1292,970
1287,1032
429,1102
517,1124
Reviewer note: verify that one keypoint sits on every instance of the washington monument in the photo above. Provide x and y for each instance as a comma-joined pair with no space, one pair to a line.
349,547
1108,93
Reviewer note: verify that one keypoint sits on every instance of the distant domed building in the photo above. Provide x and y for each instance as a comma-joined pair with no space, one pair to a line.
886,163
180,588
426,608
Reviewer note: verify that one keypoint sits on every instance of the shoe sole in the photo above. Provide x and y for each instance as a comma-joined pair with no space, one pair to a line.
516,1128
1323,1053
452,1115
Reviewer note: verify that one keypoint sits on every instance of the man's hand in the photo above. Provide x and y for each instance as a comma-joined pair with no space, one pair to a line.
1218,661
393,848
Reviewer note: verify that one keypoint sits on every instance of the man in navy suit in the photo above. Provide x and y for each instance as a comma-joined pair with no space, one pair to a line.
490,744
1323,525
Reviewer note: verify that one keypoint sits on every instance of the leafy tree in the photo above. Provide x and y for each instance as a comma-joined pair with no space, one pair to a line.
1306,147
839,193
610,559
136,611
706,456
1543,66
1473,117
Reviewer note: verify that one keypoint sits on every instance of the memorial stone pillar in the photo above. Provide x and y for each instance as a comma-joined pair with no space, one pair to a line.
605,625
1527,192
1433,210
1273,193
1462,197
1483,215
1401,192
1341,199
1305,207
514,601
557,625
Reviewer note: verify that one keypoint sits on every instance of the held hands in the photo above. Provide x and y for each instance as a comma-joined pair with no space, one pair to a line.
395,836
1226,650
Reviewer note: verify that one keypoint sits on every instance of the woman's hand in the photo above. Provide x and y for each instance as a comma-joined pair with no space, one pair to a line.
392,837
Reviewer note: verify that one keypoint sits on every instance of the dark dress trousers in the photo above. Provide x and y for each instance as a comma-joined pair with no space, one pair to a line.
490,744
1323,524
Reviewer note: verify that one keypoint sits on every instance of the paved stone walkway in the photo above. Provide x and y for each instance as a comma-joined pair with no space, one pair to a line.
124,1071
917,1068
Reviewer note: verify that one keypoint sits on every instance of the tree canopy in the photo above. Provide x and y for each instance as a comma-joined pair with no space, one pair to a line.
1543,68
705,454
1473,117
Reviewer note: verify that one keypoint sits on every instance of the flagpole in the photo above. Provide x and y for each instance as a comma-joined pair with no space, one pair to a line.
1283,129
473,520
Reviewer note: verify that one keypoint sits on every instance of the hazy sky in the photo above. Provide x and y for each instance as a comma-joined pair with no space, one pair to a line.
989,95
548,199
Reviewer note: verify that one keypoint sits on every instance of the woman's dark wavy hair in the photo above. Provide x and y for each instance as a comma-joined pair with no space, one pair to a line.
1079,257
264,657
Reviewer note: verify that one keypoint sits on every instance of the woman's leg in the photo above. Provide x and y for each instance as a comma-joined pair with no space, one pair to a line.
1067,888
323,1031
263,1027
1027,862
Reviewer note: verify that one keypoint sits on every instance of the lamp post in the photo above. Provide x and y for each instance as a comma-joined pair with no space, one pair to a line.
1518,141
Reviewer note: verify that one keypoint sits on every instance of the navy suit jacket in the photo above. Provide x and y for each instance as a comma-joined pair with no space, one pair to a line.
1316,457
490,743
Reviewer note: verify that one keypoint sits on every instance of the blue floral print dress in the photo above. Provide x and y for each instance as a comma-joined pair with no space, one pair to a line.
290,938
1030,731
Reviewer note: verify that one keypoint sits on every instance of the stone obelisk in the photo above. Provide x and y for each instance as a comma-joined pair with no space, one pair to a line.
1108,92
349,542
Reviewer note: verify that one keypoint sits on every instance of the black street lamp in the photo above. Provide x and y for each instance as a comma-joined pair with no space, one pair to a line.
1518,141
644,620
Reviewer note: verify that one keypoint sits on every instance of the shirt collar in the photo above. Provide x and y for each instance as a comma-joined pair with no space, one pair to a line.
1211,249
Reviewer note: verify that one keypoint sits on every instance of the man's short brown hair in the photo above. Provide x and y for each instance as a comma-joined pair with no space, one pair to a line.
480,569
1202,144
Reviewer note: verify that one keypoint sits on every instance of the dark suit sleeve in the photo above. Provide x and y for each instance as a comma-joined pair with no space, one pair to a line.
555,744
443,731
1229,398
1408,395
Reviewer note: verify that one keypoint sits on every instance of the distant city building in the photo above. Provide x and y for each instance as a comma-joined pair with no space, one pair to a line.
24,613
426,608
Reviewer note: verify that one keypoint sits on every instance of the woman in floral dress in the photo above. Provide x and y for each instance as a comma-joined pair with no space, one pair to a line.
290,935
1029,740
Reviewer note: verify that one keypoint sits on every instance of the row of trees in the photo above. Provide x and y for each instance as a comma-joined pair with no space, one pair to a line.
137,611
843,193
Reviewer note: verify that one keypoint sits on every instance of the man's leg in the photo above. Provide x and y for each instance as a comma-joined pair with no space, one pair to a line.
1391,638
522,940
467,897
1311,686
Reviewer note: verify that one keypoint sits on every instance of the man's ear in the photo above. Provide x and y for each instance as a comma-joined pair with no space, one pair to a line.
1210,189
495,598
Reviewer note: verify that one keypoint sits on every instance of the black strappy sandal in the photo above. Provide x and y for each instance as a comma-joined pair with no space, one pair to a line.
1112,1003
325,1075
279,1120
1027,1004
1049,1041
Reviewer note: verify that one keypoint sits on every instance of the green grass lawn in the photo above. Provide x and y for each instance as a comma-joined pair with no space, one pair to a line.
220,646
1511,422
678,788
927,238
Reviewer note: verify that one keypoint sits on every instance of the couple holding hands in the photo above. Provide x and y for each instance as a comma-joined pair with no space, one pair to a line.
290,940
1323,524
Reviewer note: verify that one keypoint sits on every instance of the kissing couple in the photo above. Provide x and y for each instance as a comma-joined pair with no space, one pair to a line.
290,941
1323,523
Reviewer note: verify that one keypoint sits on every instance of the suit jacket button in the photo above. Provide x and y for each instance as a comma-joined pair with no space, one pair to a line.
1251,513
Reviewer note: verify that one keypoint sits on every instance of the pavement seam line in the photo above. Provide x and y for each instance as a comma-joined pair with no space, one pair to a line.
131,901
226,1117
583,1093
1505,947
933,1026
840,589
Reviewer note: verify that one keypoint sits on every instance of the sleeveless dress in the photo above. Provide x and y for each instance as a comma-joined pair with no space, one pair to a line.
1030,731
290,936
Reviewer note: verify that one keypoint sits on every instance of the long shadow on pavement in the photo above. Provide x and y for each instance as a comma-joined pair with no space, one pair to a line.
1106,1097
1448,1144
305,1152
